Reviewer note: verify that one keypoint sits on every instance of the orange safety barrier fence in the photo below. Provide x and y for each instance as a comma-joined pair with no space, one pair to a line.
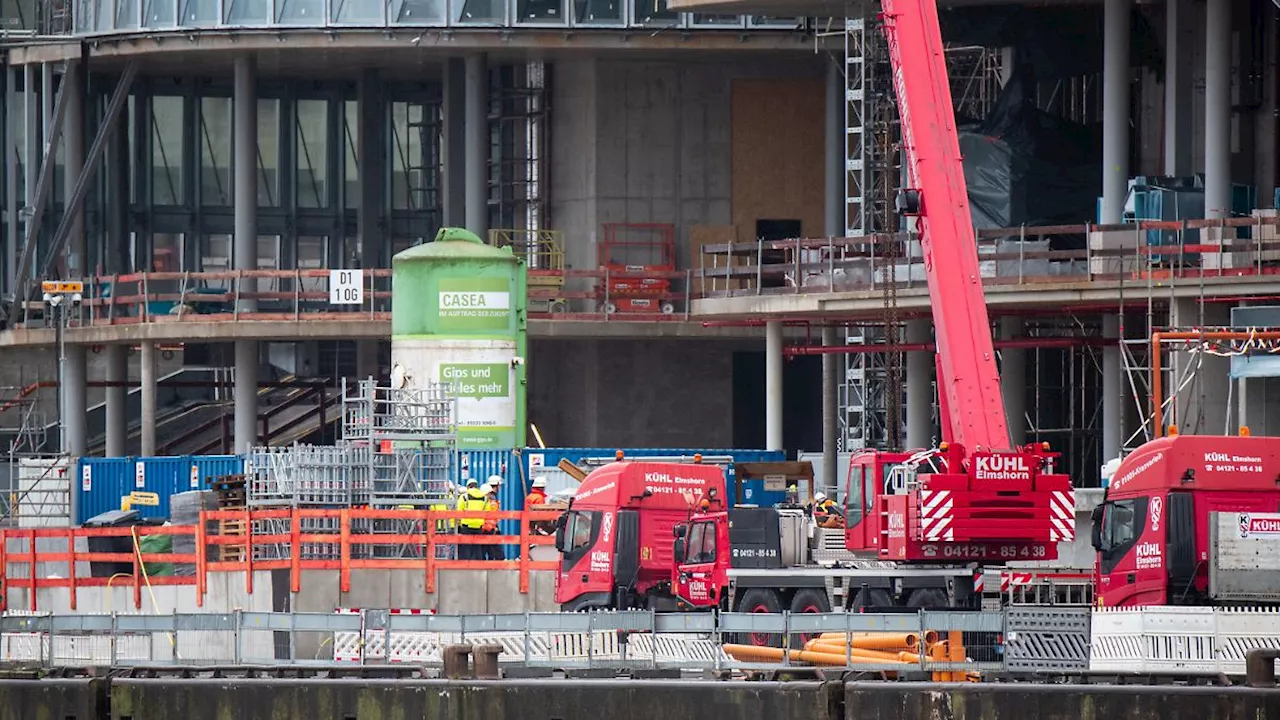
14,576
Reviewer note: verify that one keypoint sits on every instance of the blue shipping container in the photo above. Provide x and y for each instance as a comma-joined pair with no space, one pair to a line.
481,464
104,482
753,491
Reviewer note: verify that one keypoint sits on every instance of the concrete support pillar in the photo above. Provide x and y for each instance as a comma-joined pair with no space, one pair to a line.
246,395
147,379
1178,116
835,204
1201,406
75,402
1115,109
1008,58
117,395
74,393
1217,109
1113,381
830,421
476,171
246,245
1013,380
12,243
920,369
453,145
773,385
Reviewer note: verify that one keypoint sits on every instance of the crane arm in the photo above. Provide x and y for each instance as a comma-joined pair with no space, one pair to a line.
966,357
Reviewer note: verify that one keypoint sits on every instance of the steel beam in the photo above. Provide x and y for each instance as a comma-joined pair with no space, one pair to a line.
35,211
91,163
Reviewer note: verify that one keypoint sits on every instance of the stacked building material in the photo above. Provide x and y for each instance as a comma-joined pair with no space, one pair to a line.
184,509
230,492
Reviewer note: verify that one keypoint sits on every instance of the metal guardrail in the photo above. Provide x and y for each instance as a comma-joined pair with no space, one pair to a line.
556,640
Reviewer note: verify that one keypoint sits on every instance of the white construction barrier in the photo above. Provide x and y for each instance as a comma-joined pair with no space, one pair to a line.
1180,640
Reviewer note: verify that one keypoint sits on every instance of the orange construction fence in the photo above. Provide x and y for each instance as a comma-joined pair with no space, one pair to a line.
18,567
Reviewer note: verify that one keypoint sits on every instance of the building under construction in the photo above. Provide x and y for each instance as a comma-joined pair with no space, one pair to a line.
195,169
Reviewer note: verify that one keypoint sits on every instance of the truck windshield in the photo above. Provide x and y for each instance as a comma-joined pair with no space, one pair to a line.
702,543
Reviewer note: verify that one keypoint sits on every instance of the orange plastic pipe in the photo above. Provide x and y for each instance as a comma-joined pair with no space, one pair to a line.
754,653
880,641
841,650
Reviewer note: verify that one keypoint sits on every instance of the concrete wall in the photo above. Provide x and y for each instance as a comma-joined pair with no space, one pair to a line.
633,393
441,700
650,141
913,701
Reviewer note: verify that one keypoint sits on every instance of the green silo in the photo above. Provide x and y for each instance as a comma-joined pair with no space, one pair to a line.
458,315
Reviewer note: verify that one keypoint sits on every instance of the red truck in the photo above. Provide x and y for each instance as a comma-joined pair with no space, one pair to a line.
1191,520
616,537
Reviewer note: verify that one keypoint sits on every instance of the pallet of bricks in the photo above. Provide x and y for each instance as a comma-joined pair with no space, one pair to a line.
230,494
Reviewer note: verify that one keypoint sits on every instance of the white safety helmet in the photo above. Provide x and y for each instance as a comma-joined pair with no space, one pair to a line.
819,497
472,482
495,480
486,488
539,482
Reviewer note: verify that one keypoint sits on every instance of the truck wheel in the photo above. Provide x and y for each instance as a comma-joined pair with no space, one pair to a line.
871,598
928,599
807,600
760,600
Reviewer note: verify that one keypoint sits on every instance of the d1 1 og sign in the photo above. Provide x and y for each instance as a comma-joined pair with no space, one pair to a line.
346,287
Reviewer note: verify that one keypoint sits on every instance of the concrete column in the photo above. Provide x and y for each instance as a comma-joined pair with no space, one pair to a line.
1217,109
453,147
835,203
246,395
830,422
1008,59
1201,406
75,402
1013,380
74,395
1115,109
246,244
773,385
1178,115
117,416
147,379
1113,395
919,387
476,171
12,244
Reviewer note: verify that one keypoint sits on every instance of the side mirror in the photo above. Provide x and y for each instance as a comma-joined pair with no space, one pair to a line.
680,531
560,524
1095,532
678,551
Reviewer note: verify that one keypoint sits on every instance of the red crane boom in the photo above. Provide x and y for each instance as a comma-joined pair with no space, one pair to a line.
966,357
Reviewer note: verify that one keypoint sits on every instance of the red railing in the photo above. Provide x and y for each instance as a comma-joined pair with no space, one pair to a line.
292,295
428,539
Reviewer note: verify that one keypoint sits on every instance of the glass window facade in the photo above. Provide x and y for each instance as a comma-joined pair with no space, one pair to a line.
108,16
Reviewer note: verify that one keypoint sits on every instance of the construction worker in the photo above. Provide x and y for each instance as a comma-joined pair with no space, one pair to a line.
536,498
538,495
490,527
473,500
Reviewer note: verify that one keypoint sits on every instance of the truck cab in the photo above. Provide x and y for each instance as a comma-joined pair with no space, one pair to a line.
1152,533
616,538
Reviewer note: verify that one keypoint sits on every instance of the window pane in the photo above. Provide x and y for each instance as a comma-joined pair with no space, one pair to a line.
215,151
479,11
351,175
159,13
268,152
167,121
312,153
313,254
598,12
300,12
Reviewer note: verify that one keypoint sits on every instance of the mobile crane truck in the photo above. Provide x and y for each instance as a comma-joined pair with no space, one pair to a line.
919,525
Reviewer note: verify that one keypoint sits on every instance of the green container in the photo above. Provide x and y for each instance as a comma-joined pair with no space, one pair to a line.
458,316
